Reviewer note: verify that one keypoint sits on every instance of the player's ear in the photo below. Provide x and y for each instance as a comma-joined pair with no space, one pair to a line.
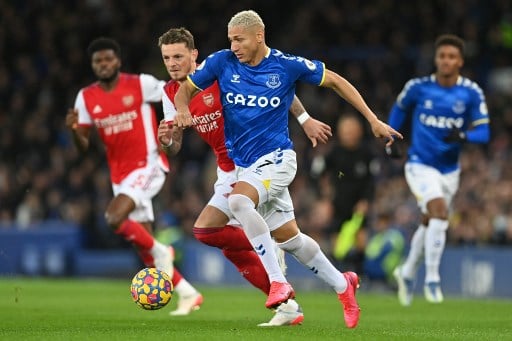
260,36
194,55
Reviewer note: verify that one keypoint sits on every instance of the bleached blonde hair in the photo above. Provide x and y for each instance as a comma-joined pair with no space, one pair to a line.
246,19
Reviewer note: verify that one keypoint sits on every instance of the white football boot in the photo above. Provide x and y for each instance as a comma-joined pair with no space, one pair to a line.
187,304
433,293
405,287
286,314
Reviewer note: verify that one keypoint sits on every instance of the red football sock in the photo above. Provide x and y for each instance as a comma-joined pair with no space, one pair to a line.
236,247
249,265
146,258
136,234
227,237
176,278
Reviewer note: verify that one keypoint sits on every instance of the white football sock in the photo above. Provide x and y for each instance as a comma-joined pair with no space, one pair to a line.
258,233
416,252
184,288
159,250
307,251
435,239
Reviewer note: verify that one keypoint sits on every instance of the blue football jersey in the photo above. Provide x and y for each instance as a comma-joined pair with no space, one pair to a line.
256,99
435,110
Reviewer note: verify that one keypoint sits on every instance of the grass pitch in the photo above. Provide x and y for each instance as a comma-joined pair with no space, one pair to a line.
86,309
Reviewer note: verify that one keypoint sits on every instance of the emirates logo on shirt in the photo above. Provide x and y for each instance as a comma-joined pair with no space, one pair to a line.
128,100
208,99
118,123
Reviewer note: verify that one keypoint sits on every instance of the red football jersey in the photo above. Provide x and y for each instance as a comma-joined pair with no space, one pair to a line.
126,122
206,110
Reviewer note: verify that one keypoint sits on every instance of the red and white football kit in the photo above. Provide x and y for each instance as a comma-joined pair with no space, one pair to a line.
126,123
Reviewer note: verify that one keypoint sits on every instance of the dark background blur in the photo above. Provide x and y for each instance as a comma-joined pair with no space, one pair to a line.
376,45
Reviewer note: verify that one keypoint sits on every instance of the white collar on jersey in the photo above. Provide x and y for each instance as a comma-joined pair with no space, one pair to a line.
434,80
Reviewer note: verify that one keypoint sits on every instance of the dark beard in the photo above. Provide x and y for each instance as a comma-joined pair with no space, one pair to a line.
111,78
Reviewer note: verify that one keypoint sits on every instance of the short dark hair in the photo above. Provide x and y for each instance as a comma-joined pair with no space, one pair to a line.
104,43
450,39
177,35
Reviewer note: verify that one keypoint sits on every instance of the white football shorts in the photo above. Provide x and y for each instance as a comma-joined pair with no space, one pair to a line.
274,217
427,183
271,175
142,185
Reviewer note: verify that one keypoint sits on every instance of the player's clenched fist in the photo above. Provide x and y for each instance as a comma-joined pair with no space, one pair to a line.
164,133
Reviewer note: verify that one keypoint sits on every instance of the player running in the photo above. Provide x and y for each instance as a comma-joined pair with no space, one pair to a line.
213,227
257,86
119,106
446,110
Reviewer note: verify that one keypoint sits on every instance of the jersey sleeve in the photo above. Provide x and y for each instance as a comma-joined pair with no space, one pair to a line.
479,116
84,118
407,97
314,72
168,108
403,105
151,88
478,110
396,117
303,69
206,73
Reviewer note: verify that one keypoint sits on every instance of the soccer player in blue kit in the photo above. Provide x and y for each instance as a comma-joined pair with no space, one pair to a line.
446,110
257,86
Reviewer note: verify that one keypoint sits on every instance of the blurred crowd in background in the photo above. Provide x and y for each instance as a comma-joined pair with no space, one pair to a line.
377,45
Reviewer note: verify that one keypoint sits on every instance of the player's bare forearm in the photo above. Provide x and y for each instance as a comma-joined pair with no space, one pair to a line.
348,92
181,101
296,108
315,130
81,143
170,137
177,138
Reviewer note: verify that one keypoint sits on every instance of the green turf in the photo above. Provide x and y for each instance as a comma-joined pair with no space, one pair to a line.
102,310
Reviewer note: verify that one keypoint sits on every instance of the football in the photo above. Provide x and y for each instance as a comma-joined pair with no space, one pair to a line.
151,289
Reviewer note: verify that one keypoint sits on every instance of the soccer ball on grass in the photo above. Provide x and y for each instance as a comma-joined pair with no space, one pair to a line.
151,289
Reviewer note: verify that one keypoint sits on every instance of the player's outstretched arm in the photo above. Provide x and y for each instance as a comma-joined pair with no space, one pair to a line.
170,137
348,92
181,101
80,134
315,130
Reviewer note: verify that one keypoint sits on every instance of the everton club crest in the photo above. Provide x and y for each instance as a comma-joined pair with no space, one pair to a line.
273,81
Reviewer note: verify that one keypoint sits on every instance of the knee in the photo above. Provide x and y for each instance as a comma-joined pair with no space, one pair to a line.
206,236
285,232
239,203
301,246
292,244
437,209
441,214
438,225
